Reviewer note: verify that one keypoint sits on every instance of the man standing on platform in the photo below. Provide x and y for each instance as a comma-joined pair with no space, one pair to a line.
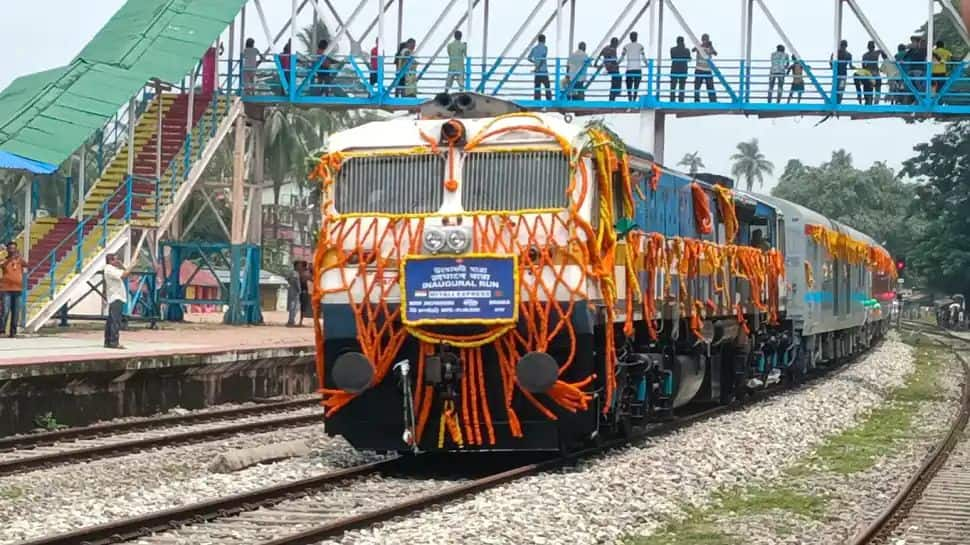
457,50
11,286
116,294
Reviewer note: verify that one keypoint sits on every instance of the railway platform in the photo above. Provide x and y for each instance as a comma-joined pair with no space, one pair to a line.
67,377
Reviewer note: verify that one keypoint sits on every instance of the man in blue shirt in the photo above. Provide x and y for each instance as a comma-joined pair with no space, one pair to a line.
679,59
538,59
779,67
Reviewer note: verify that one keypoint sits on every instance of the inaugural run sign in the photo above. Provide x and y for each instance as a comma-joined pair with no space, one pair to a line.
459,290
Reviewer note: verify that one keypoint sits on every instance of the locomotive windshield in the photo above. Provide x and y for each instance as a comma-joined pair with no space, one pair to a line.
390,184
515,181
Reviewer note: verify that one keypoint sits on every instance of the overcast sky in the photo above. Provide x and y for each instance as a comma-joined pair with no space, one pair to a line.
41,34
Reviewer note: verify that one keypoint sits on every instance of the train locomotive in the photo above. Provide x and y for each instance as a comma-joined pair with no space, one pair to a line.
509,280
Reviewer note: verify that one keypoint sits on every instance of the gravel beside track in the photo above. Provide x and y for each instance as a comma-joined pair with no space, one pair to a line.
854,500
636,489
64,498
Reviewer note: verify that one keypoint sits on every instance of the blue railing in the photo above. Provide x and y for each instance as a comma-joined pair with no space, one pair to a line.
77,237
730,84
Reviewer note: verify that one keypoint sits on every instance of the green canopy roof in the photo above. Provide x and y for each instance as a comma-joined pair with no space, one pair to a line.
48,115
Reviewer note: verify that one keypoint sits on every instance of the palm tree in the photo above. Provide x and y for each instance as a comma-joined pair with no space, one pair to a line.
750,164
693,162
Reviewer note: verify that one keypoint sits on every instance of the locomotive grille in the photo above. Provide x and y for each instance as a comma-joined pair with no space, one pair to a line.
400,184
515,181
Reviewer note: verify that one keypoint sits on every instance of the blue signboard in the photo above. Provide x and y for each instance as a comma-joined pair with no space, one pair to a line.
459,290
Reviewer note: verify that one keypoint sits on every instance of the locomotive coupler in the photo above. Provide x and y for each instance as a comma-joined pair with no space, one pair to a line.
444,371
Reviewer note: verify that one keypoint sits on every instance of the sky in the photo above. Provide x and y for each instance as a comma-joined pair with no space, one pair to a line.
43,34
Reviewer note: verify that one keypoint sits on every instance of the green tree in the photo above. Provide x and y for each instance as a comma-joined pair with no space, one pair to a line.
941,252
750,164
874,201
693,162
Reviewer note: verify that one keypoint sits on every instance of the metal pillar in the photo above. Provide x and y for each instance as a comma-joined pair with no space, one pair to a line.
572,26
28,220
293,14
131,136
81,182
485,39
558,30
158,141
837,30
380,27
470,10
237,249
930,32
400,23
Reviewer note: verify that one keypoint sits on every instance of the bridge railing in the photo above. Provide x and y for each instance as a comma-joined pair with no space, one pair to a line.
817,84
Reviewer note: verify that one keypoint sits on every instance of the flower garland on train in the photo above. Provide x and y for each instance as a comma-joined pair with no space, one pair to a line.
363,250
844,247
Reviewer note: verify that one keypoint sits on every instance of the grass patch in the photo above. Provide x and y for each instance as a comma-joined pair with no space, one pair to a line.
11,492
761,500
857,448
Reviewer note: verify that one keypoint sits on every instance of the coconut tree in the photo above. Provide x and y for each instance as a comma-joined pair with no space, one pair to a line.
693,162
750,164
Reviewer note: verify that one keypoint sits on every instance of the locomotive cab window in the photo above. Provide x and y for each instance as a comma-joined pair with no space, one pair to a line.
390,184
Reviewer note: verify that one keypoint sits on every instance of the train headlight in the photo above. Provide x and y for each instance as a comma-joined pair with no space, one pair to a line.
457,240
434,240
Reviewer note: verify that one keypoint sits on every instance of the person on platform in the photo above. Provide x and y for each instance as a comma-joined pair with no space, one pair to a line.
286,61
11,286
610,62
576,67
116,295
891,69
406,76
941,67
779,68
374,54
457,50
635,59
842,61
326,71
863,85
306,289
679,59
538,58
294,292
797,88
702,69
870,62
251,59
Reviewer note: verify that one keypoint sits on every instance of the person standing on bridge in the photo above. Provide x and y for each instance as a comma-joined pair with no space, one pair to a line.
457,50
679,59
116,295
941,67
374,54
612,66
797,70
635,59
870,62
251,59
779,68
538,58
843,62
11,286
702,69
576,69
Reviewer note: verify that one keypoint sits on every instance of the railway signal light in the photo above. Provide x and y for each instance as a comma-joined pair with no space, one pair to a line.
900,264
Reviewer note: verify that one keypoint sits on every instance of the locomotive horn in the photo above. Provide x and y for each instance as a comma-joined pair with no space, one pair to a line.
353,372
536,372
443,100
464,102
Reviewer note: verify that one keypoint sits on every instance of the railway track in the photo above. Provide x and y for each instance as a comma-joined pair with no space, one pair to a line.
73,445
933,508
326,506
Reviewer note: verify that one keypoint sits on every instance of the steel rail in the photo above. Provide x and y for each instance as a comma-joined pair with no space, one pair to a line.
880,528
99,430
127,447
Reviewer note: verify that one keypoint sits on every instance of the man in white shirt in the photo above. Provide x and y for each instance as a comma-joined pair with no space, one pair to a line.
702,69
635,59
116,294
576,67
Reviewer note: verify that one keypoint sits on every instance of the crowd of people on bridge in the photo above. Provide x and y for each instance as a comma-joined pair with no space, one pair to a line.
878,78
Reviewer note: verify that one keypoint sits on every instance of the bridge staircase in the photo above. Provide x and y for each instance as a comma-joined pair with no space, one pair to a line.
67,253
